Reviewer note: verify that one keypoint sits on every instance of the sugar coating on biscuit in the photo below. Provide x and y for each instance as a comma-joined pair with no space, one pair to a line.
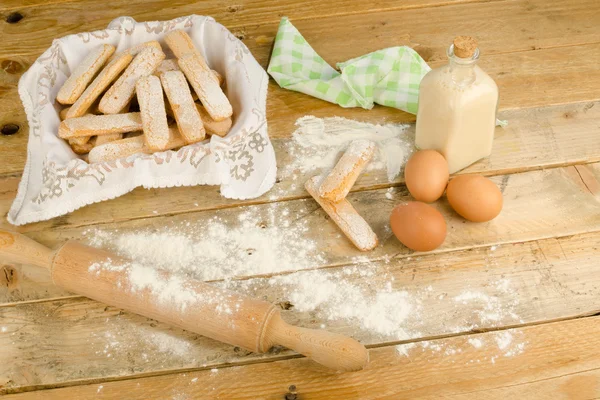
123,90
92,125
152,108
345,173
83,74
99,85
206,87
183,107
345,217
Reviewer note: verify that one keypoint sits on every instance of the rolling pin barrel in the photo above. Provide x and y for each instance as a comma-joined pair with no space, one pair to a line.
253,324
188,304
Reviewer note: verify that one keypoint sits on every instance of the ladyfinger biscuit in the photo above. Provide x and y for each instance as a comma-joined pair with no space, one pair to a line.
79,141
340,180
166,66
126,147
83,74
123,90
212,127
154,116
63,113
118,149
135,50
171,65
219,77
99,85
111,137
83,148
181,44
206,87
183,107
345,217
91,125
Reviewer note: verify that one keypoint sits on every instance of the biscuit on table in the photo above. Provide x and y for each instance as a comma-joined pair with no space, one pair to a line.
345,217
340,180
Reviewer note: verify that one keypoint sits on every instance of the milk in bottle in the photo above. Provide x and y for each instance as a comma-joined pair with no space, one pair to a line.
457,108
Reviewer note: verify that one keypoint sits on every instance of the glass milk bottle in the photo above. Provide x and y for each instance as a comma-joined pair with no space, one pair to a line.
457,108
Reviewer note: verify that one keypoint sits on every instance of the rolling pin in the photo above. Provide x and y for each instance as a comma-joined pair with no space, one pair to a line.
222,315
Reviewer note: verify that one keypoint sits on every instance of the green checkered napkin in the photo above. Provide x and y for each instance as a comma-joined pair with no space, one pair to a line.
389,77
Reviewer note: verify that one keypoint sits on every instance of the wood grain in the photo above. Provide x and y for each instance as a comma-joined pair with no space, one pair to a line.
548,75
538,204
74,341
535,138
372,26
559,361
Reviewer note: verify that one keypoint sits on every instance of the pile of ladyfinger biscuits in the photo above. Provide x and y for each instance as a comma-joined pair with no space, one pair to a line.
137,101
331,191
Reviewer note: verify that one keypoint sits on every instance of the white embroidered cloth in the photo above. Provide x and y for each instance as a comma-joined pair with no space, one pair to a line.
56,181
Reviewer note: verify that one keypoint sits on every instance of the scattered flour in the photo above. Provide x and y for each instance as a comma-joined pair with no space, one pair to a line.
379,309
3,329
504,339
389,194
317,143
274,241
166,343
256,244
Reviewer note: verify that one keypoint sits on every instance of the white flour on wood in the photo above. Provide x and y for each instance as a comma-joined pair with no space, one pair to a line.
270,240
318,143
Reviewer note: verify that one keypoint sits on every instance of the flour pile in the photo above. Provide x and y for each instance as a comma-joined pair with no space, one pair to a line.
318,142
254,244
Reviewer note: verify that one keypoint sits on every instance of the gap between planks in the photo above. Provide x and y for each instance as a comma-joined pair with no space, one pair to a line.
538,138
562,206
317,15
332,266
69,384
545,259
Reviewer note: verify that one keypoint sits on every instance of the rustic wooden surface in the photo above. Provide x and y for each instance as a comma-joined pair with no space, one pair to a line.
544,56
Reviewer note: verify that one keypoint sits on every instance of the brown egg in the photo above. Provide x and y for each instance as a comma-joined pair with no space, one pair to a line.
474,197
418,226
426,175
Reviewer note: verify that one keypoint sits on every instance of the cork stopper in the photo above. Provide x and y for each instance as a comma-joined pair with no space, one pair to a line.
464,46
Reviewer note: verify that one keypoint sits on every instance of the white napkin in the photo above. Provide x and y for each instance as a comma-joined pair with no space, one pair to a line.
56,181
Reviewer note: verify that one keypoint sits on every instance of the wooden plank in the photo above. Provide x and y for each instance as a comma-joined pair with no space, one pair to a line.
534,138
57,342
538,204
516,25
42,24
523,283
8,6
549,75
559,361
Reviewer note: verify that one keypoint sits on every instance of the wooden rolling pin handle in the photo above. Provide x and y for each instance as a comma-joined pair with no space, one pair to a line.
332,350
19,249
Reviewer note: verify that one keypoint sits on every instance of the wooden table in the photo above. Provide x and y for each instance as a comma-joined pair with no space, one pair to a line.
544,55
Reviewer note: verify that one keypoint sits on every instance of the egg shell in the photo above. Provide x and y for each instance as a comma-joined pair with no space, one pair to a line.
474,197
418,226
426,175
